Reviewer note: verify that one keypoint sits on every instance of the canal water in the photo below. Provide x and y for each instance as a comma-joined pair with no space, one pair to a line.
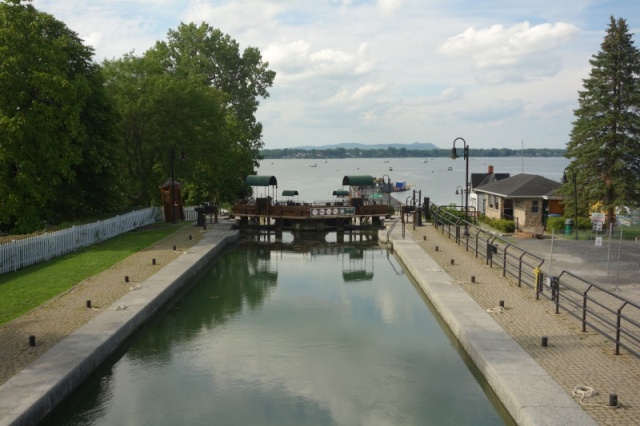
303,329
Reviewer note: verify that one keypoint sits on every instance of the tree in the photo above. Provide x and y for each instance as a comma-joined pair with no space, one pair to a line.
209,57
194,92
604,145
55,123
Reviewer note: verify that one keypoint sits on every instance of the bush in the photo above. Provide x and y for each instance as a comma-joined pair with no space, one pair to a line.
503,225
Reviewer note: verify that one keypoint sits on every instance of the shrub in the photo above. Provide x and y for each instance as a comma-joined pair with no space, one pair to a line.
503,225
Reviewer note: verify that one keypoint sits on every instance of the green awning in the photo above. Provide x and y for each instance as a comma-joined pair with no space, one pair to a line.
258,180
361,180
289,193
340,193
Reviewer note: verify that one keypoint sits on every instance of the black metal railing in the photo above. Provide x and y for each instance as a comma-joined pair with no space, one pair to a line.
607,313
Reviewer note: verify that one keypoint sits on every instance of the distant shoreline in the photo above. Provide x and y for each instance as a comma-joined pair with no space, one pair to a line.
391,152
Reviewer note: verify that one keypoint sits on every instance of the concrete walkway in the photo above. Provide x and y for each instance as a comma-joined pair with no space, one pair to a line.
72,340
535,383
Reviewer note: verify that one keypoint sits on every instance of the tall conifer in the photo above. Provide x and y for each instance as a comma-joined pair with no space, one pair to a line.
604,145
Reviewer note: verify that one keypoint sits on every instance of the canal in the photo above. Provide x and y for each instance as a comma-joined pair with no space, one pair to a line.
299,330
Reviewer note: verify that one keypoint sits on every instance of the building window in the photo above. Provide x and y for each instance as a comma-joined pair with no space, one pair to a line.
534,206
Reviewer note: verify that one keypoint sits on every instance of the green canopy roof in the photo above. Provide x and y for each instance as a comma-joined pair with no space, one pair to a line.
289,192
361,180
258,180
340,192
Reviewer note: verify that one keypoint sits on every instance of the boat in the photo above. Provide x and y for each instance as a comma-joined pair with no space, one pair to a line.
390,169
385,186
424,161
449,168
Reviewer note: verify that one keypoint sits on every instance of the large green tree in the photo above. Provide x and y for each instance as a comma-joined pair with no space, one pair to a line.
604,145
56,124
205,55
194,92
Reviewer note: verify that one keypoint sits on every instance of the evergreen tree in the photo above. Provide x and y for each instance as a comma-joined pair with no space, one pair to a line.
604,145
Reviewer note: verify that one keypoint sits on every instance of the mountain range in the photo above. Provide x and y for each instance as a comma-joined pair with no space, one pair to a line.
412,146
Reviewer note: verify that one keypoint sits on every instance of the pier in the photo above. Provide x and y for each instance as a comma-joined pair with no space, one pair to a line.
360,207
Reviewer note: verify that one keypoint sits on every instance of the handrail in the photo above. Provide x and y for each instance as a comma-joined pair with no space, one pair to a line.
600,312
391,228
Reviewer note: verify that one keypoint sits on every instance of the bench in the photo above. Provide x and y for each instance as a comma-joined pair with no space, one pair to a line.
538,232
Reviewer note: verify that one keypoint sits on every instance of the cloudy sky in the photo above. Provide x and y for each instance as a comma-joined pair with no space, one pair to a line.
497,73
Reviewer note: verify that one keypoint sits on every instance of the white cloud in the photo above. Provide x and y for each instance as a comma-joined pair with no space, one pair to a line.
375,71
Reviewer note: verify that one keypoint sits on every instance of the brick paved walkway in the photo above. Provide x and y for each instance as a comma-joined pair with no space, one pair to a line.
571,358
56,319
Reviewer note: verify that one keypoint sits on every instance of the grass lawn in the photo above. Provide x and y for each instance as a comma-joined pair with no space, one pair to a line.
29,287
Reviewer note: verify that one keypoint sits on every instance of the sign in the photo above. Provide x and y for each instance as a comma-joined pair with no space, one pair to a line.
598,241
332,211
597,221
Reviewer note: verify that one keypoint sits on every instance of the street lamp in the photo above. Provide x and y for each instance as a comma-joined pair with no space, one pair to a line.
460,191
173,189
575,195
454,155
386,187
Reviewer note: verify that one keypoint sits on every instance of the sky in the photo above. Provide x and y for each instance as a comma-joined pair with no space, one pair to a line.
499,74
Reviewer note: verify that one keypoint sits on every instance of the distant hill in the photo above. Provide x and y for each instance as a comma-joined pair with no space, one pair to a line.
361,146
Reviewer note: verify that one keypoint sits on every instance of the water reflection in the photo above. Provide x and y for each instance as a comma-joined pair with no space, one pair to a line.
290,333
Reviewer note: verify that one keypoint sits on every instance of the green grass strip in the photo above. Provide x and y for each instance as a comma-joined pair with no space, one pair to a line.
28,288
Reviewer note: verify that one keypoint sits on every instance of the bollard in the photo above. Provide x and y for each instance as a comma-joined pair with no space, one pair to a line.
89,304
126,278
436,248
32,340
452,261
544,342
153,261
613,400
424,238
501,304
473,278
174,248
190,237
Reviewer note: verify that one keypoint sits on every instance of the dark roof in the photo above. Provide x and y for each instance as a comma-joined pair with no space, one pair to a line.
361,180
479,179
289,193
521,185
258,180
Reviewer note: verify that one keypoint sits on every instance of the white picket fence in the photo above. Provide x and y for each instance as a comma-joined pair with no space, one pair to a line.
20,253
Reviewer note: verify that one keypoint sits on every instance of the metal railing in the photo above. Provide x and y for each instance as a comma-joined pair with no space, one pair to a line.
605,312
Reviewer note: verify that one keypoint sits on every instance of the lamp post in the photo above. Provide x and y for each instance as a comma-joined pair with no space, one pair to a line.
173,189
454,155
460,191
575,196
386,186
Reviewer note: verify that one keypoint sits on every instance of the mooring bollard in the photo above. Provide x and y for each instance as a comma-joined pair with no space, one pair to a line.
436,248
501,304
88,304
153,261
126,278
613,400
473,278
544,342
32,340
174,248
453,261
